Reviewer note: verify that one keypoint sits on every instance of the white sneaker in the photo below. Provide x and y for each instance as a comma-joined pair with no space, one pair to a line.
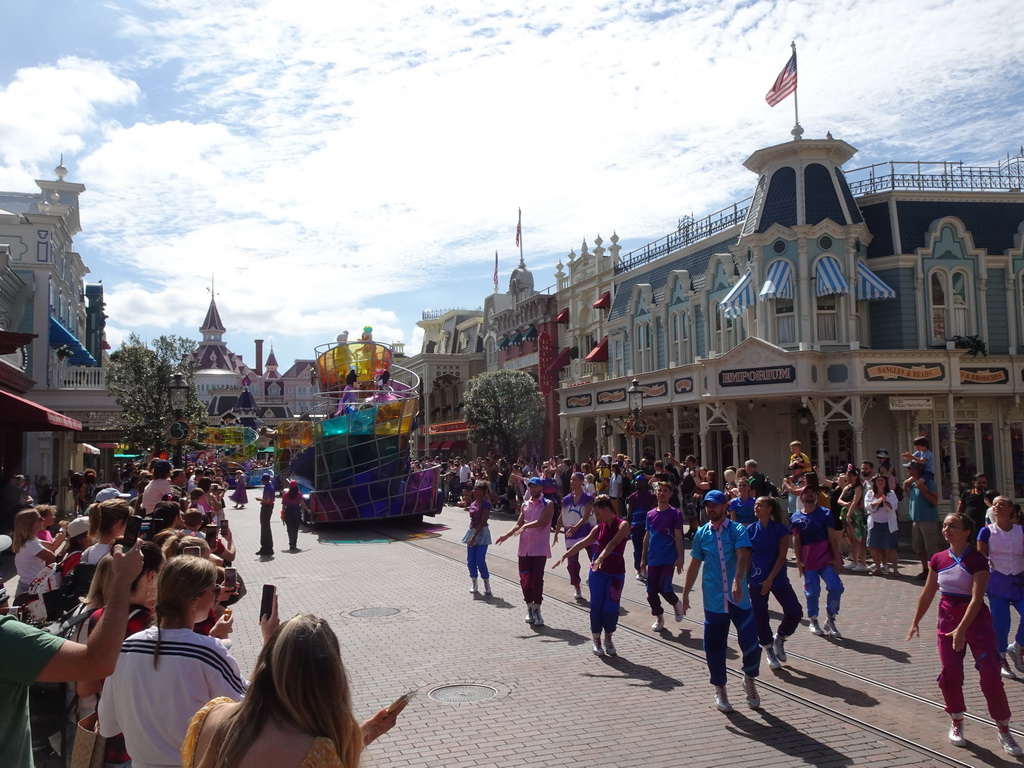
529,614
750,691
859,568
596,647
779,646
609,646
773,660
1008,743
659,623
831,629
814,628
956,732
722,699
1016,654
472,588
1005,671
537,620
487,588
678,610
578,594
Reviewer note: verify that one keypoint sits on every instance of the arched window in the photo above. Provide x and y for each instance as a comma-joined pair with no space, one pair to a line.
785,322
949,301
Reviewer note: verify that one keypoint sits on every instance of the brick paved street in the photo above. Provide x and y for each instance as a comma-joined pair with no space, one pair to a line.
558,705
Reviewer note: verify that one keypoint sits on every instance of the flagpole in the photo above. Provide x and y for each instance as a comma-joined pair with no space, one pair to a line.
797,131
520,231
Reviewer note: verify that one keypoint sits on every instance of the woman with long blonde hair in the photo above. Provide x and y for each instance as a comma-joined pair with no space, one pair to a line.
297,711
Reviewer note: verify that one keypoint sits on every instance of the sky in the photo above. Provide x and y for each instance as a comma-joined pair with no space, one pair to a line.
329,165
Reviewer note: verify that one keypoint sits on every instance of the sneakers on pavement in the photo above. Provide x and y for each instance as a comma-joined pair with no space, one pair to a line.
722,699
1007,742
956,732
1005,671
529,614
609,646
472,587
859,568
578,594
831,629
773,660
779,646
596,646
814,628
487,588
678,610
659,623
537,620
750,691
1016,654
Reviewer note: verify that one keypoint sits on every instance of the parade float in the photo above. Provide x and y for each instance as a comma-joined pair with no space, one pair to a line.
352,457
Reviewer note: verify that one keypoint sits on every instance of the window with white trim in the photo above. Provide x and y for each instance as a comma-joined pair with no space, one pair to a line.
785,322
827,314
949,304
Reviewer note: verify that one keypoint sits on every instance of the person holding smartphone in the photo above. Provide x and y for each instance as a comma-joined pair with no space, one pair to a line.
300,664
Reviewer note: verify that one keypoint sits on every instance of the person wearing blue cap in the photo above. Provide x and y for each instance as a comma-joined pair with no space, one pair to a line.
533,528
725,545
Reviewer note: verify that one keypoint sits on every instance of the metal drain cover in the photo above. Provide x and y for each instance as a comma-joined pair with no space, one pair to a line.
462,692
373,613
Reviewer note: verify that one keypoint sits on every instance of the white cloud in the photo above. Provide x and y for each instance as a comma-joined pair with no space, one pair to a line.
327,161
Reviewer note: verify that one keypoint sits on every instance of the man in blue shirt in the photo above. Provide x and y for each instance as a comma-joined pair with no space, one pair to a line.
724,546
923,497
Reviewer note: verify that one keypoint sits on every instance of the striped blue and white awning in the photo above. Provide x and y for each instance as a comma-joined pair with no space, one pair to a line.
870,286
740,297
779,282
830,278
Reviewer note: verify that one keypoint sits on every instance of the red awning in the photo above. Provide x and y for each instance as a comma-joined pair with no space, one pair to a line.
446,445
563,316
560,361
436,446
19,413
605,302
459,445
599,354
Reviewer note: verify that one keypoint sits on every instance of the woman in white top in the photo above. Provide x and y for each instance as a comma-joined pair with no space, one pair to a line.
883,526
30,556
107,520
1002,542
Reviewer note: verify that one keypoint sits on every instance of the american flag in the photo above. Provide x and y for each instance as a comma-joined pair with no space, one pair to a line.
495,271
785,83
519,228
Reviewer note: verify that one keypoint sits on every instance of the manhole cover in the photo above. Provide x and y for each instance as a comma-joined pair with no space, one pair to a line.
454,694
373,613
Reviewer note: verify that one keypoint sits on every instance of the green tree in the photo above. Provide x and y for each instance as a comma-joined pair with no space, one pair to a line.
137,379
504,410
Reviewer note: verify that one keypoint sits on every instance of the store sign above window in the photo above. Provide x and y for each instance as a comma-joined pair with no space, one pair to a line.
911,404
611,396
683,385
984,375
746,377
887,372
655,390
578,401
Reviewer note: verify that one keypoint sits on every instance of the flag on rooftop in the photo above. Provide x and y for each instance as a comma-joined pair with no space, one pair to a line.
519,228
785,83
495,271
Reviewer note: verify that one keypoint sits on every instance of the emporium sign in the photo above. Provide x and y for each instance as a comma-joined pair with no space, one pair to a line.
984,375
578,401
745,377
904,373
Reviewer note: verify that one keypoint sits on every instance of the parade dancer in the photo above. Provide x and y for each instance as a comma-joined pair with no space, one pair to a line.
266,513
638,504
478,537
575,518
724,544
770,540
960,573
816,545
239,496
1002,542
663,550
534,547
607,572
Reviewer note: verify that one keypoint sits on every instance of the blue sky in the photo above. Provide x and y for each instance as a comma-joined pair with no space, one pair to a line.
342,164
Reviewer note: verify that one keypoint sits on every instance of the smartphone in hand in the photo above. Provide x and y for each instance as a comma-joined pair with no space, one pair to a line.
131,532
267,603
399,704
193,551
230,580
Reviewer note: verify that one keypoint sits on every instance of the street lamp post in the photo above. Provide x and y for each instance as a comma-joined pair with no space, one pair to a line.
606,430
177,394
637,426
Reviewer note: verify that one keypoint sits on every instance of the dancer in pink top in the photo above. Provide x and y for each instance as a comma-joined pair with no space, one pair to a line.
533,527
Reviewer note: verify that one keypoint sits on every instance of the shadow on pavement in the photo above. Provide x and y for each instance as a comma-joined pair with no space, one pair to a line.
782,736
552,635
821,685
497,602
376,531
646,677
861,646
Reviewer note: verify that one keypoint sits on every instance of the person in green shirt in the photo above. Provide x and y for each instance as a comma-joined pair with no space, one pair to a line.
30,655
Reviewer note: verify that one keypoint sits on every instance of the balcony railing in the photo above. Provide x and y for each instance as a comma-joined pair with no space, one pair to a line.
80,377
1008,176
580,371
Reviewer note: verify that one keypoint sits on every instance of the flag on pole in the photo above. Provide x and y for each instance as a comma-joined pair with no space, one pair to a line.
785,83
495,271
519,228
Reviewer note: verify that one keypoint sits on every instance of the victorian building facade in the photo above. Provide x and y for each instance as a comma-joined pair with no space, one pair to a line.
852,310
